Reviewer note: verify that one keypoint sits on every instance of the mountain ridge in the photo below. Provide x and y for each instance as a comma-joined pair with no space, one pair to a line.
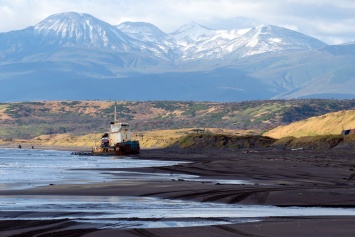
70,29
66,53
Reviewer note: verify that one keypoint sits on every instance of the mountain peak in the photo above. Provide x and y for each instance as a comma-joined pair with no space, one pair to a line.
70,15
142,31
71,28
65,18
192,31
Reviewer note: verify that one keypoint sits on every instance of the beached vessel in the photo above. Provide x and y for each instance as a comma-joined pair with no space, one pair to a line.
117,141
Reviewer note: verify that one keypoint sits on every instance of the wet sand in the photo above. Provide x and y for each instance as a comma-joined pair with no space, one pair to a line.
277,177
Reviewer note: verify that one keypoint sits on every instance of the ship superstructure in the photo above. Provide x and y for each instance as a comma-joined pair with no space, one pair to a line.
117,140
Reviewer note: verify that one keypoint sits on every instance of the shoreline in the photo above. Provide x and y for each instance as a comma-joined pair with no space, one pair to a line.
280,178
26,145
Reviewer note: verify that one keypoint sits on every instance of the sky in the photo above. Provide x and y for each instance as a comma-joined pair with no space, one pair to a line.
332,21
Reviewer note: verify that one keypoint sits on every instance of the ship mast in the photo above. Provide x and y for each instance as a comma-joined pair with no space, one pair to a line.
115,113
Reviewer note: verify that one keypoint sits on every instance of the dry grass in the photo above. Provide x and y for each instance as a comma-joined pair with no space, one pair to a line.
159,138
165,138
328,124
147,139
89,140
4,116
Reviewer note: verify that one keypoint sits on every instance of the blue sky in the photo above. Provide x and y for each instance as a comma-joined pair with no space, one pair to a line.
328,20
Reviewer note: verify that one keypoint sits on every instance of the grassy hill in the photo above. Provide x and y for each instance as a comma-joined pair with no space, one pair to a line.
147,139
28,120
327,124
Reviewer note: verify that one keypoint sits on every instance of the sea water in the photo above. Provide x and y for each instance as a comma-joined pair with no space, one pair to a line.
27,168
21,168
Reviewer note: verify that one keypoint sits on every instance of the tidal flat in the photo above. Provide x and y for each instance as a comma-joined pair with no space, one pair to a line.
178,192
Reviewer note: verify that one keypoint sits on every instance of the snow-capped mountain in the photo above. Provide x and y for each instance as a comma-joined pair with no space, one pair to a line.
71,29
65,56
196,42
273,38
75,29
190,42
149,33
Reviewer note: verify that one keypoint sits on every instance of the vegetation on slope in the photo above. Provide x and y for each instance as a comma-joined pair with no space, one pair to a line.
200,141
32,119
224,141
316,142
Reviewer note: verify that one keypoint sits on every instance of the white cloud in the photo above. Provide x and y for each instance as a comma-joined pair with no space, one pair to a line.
323,19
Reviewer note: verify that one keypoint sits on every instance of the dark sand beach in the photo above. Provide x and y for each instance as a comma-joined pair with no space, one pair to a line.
306,178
